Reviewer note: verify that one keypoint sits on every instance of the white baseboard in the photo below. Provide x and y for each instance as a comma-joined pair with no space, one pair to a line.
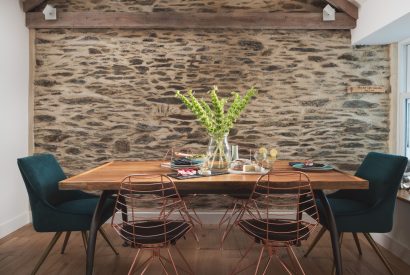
207,217
393,246
13,224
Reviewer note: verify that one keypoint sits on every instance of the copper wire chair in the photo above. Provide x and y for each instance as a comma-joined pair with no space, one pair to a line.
280,213
154,233
231,214
187,199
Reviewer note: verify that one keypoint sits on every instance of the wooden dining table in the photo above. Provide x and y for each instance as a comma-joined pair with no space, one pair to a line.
108,177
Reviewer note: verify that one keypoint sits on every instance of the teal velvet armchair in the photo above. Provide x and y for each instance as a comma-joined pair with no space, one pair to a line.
368,211
55,210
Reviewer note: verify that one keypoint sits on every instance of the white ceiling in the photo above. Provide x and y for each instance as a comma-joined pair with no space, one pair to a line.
380,23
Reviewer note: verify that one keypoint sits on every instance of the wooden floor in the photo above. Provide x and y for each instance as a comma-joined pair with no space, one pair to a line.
20,251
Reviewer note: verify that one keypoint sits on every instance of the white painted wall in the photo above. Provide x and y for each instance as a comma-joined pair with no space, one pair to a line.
14,78
382,22
398,240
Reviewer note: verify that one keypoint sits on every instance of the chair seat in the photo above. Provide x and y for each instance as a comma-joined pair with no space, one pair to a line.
154,232
354,216
83,207
274,230
74,215
343,206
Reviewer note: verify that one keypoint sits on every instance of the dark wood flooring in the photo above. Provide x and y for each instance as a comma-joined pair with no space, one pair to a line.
20,251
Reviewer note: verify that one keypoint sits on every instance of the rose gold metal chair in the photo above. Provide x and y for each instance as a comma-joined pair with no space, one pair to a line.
187,199
280,213
232,214
153,233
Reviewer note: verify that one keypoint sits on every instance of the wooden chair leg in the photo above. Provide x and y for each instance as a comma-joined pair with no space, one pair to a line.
356,240
84,236
378,252
67,236
315,241
46,252
104,235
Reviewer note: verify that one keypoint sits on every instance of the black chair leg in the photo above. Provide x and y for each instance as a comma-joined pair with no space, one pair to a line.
340,244
378,252
356,240
316,240
95,225
67,236
334,235
46,252
104,235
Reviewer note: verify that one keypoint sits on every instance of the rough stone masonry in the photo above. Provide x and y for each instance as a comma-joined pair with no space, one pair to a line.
109,94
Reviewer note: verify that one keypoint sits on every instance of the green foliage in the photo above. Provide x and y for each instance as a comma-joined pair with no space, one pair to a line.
214,118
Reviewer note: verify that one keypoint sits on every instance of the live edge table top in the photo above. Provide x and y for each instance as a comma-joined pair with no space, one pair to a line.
109,176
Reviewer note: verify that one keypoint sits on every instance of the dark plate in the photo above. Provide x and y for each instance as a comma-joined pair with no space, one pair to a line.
302,167
315,165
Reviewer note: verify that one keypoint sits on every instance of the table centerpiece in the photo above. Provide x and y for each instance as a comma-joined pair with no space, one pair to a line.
217,121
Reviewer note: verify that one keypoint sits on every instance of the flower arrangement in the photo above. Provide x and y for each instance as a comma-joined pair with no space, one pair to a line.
214,118
217,122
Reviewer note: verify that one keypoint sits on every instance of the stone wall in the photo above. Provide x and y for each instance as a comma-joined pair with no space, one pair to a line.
109,94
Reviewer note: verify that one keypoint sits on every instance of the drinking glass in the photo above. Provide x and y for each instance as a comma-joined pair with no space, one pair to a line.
260,157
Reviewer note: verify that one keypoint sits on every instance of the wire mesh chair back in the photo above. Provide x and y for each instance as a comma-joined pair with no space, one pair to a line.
158,192
281,209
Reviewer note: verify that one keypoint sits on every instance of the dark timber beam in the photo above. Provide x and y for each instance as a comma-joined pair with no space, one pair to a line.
346,6
29,5
175,20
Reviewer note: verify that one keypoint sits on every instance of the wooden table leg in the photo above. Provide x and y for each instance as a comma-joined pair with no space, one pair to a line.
95,225
334,235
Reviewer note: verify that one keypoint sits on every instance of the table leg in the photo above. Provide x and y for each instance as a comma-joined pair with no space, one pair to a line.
95,225
334,235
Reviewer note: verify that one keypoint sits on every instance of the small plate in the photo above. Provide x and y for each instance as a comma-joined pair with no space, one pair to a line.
301,167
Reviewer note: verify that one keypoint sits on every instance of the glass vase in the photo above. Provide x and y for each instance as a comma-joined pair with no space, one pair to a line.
219,153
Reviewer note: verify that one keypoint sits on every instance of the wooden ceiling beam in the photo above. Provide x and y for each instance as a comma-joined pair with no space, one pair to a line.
29,5
345,6
175,20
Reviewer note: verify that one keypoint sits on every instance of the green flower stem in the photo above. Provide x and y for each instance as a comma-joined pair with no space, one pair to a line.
220,153
214,119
